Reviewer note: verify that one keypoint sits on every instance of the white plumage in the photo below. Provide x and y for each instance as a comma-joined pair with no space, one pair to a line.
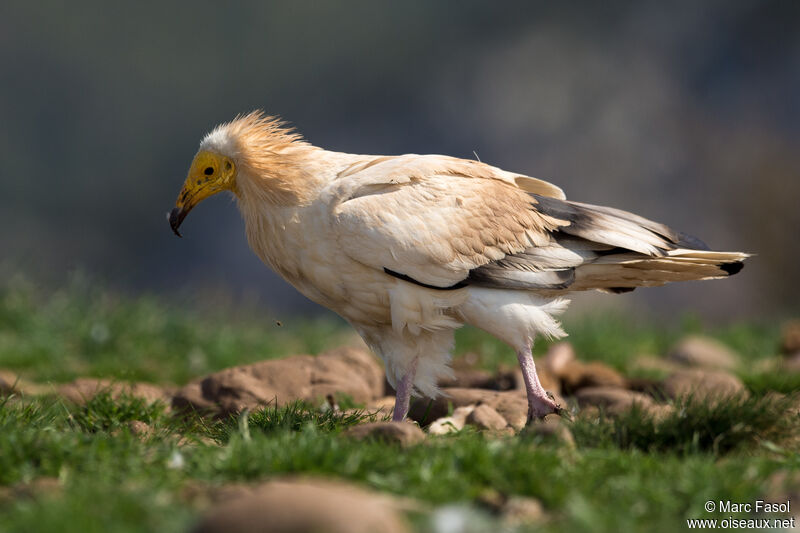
408,248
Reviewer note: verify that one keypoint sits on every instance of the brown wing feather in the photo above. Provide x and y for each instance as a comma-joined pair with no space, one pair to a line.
608,249
443,222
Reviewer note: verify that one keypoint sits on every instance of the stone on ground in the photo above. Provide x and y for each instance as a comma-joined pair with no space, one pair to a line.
402,433
790,338
11,383
704,352
346,370
791,363
558,356
511,405
703,385
140,429
82,390
654,363
576,375
550,429
452,423
485,417
381,407
613,401
522,510
299,506
469,378
569,374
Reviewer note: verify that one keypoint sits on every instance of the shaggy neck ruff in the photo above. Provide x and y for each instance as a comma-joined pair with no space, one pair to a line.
273,161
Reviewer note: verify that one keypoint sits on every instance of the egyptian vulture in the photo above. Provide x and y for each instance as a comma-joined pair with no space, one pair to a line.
408,248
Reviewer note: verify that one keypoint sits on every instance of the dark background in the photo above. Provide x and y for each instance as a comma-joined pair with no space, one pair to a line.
687,113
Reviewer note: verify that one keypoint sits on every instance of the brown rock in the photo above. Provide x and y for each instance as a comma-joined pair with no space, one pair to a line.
651,387
790,338
512,379
11,383
8,382
571,374
351,368
202,494
550,429
577,375
485,417
305,506
507,379
791,363
381,407
511,405
502,380
703,385
301,377
558,356
190,397
654,364
140,429
549,381
520,510
704,352
403,433
84,389
611,400
469,378
452,423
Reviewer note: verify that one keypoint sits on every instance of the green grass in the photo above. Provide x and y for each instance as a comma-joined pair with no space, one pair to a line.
616,339
741,424
84,331
112,478
630,473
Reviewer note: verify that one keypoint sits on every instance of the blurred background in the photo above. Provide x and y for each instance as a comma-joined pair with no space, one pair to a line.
686,113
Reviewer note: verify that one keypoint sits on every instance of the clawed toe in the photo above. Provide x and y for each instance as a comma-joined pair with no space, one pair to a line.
544,407
563,413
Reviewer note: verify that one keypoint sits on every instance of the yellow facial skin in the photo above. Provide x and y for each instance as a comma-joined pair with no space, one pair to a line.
209,174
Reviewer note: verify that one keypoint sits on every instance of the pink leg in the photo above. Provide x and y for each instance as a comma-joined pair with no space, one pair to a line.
539,402
403,397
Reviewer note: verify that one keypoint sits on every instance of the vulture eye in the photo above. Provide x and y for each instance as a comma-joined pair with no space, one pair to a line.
208,171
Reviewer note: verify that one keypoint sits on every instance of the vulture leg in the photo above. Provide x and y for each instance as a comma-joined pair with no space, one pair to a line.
403,397
540,403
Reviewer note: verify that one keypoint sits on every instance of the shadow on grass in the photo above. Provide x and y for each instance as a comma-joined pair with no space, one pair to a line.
775,381
293,417
734,424
103,412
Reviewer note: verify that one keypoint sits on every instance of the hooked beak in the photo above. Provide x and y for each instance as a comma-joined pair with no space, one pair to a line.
190,196
193,192
209,174
175,218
